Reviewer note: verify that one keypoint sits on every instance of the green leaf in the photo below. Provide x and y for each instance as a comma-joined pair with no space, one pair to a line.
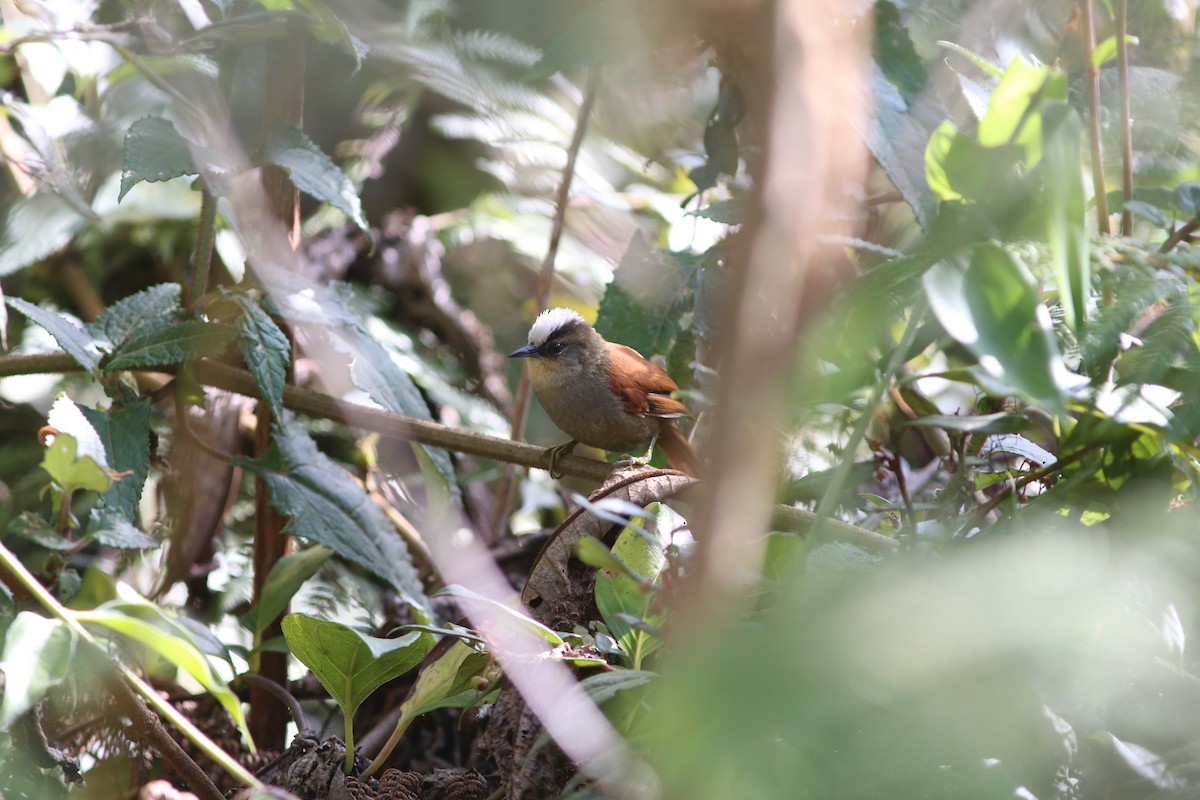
620,596
36,528
266,350
1187,198
636,304
896,55
350,665
146,624
1067,206
284,580
70,337
37,657
507,616
325,506
979,61
143,312
312,171
1146,211
72,473
449,682
125,434
54,220
154,151
990,305
898,142
114,530
1106,50
1011,116
173,345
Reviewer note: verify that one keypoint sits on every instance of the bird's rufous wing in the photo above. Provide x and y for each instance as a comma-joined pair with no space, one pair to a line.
644,387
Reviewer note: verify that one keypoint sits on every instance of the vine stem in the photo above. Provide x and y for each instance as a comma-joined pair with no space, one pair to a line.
31,584
504,494
1126,117
1093,81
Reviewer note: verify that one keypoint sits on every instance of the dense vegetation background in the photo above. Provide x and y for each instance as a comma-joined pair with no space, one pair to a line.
925,271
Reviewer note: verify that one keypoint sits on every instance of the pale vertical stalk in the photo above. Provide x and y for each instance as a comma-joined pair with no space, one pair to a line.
813,155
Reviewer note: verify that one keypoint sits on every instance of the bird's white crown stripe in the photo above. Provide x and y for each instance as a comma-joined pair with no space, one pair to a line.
550,321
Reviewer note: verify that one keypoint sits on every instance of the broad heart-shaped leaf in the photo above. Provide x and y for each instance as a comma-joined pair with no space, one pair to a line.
172,345
284,580
125,434
990,305
620,597
154,151
326,506
145,624
312,171
1067,204
70,337
37,657
350,665
70,472
266,350
143,312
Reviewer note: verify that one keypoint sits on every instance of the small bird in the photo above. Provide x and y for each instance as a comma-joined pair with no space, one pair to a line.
602,394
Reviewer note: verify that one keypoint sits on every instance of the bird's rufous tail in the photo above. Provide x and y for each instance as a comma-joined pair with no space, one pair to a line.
680,452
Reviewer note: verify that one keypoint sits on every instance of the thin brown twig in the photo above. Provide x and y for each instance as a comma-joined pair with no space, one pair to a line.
1093,81
504,493
1181,233
1126,117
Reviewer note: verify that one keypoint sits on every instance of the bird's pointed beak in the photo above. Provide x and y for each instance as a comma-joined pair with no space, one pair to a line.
528,351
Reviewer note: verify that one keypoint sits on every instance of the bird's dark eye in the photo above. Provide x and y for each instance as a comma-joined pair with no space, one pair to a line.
554,348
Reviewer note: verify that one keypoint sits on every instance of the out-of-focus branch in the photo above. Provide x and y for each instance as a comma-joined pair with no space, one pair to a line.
817,102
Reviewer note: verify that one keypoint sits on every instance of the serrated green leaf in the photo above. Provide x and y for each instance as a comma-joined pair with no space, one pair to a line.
266,350
140,313
312,171
70,337
351,665
154,151
37,529
37,657
896,55
70,472
172,345
54,220
125,434
146,624
284,580
325,506
113,529
990,305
